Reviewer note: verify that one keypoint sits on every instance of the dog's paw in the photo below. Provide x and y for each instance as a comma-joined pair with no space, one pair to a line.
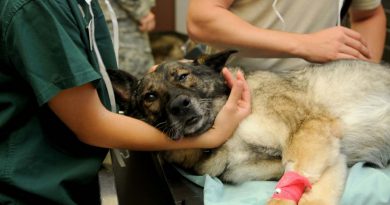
319,198
314,202
318,201
280,202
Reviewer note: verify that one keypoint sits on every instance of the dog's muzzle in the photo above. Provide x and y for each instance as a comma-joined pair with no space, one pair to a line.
186,116
181,106
184,111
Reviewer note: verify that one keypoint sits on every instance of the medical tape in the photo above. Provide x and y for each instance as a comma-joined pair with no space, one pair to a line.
291,187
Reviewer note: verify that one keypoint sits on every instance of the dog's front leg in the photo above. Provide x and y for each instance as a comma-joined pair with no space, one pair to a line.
311,151
329,188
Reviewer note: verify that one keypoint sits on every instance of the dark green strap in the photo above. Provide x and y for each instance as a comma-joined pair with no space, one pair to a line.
344,9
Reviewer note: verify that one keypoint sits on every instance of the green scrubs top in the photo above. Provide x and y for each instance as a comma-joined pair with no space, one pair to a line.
44,48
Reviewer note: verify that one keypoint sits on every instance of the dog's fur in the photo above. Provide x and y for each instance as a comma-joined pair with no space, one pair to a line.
315,120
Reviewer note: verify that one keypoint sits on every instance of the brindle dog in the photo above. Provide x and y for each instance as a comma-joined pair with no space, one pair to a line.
314,120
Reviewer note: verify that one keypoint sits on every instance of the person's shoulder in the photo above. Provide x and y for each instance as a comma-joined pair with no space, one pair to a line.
10,8
365,4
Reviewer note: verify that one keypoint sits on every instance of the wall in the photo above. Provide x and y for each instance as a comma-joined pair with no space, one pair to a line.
165,15
180,15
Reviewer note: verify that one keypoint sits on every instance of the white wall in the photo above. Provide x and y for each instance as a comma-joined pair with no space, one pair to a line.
181,15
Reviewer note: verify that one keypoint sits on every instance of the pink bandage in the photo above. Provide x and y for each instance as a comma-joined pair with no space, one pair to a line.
291,186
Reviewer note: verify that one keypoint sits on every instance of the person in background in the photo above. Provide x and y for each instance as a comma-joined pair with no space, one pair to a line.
279,35
57,118
135,21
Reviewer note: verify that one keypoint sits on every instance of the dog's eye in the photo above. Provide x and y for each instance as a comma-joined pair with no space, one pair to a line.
182,77
151,96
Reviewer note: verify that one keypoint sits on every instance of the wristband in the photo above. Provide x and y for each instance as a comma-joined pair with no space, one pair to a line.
291,186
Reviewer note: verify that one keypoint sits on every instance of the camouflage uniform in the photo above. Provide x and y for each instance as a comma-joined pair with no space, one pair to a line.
135,55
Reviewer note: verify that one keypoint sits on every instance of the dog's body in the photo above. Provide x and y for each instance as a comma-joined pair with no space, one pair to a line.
314,120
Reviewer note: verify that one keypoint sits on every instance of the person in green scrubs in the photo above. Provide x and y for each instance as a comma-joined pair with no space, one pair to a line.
55,118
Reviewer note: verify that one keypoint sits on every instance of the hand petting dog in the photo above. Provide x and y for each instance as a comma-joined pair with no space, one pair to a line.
237,107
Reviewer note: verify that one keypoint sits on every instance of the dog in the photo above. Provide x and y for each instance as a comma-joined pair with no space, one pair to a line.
167,46
315,120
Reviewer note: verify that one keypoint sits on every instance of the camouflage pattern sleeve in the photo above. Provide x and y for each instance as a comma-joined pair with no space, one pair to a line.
135,55
137,8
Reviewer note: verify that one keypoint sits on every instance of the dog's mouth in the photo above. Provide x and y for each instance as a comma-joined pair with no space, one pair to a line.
189,127
195,118
196,125
192,120
193,125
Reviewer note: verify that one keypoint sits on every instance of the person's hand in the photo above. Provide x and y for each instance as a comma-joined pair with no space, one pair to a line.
239,101
238,104
237,107
152,69
147,23
332,44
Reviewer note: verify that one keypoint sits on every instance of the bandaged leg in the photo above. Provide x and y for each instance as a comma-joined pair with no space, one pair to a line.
312,150
329,188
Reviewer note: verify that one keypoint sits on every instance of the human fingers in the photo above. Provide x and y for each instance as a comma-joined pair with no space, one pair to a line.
147,23
228,77
355,40
152,69
246,92
360,49
230,80
345,56
240,99
144,26
354,34
358,46
234,110
152,22
235,94
351,53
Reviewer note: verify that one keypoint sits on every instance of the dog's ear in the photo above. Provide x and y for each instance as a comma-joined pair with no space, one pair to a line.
216,61
124,85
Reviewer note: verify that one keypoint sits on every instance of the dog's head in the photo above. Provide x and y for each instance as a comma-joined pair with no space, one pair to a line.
181,98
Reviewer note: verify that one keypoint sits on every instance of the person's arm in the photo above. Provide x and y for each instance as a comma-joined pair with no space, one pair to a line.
81,110
222,29
371,24
147,23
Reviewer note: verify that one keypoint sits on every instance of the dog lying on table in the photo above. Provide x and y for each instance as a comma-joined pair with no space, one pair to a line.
306,125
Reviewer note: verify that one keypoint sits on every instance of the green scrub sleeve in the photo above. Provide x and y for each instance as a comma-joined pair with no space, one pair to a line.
45,45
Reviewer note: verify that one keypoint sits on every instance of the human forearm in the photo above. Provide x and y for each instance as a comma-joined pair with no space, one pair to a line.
223,29
119,131
81,110
372,26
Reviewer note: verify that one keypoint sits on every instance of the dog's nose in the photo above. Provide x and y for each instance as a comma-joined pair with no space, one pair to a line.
180,105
